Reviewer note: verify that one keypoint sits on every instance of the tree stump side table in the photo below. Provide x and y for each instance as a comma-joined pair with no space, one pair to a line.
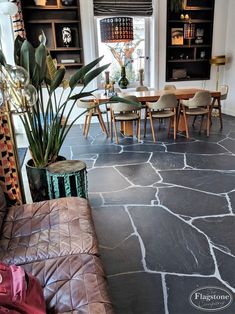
67,178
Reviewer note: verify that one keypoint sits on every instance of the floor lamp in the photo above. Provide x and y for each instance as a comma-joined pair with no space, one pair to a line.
218,61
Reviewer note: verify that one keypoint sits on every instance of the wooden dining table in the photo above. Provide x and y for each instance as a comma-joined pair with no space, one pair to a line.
154,95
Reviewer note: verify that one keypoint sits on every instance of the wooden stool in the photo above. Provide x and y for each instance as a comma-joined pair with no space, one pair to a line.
67,178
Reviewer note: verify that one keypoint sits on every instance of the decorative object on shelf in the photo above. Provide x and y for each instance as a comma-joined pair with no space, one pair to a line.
67,36
123,81
40,2
177,37
199,35
116,29
189,31
218,61
202,54
179,74
66,61
67,2
41,110
176,5
182,16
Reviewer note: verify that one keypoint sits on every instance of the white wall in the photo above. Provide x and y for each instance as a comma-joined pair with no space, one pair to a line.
229,106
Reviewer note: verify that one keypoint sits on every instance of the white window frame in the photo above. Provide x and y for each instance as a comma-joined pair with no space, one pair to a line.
147,48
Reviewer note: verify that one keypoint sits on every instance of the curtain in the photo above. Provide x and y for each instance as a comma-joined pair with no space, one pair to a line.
18,21
123,7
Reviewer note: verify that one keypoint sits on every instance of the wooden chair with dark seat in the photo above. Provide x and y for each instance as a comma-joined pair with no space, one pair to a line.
122,112
223,89
199,105
165,107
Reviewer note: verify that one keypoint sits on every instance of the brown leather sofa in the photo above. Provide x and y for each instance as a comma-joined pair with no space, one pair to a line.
55,241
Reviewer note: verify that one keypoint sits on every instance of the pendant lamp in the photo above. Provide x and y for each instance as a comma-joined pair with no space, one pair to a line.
116,29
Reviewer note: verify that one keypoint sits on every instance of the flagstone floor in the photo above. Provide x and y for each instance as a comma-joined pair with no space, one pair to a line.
164,215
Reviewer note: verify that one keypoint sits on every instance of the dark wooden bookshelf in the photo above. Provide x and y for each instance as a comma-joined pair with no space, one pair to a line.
190,56
51,19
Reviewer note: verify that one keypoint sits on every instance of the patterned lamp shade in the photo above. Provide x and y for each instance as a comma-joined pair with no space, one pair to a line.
189,31
116,29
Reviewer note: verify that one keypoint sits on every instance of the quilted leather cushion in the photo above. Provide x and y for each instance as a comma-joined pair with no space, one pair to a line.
74,284
3,207
47,229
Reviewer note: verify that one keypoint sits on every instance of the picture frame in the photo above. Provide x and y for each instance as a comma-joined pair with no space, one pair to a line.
189,4
177,36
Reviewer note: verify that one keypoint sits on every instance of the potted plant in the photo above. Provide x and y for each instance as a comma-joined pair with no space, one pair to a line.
39,93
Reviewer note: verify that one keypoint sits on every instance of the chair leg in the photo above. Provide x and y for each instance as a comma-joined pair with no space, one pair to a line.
145,120
169,127
220,114
107,117
186,122
139,126
194,120
202,119
88,123
175,125
85,125
152,128
103,127
208,124
115,129
111,124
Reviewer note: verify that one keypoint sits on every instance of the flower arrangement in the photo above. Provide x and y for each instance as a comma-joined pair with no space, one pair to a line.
123,52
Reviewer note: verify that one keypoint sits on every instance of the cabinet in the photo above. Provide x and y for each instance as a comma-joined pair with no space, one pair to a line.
52,19
189,40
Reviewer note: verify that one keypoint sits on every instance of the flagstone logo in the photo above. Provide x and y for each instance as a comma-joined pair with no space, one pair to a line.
211,299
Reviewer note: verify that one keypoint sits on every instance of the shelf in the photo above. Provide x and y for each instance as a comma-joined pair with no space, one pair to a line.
66,49
199,9
70,64
193,21
188,79
188,60
191,46
61,21
50,7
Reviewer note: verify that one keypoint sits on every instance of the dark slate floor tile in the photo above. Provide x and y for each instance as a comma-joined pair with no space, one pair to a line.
171,244
196,148
232,200
132,195
95,199
139,293
95,149
142,174
121,159
112,225
77,140
66,152
105,180
213,138
162,161
229,144
192,203
180,288
220,230
123,258
208,181
232,135
215,162
226,265
144,148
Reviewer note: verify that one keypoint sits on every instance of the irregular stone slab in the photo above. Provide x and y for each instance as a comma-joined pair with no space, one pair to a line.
229,144
95,199
66,152
179,289
105,180
232,200
94,149
133,195
226,265
220,230
232,135
139,293
208,181
144,148
140,174
192,203
197,148
121,159
215,162
171,244
126,257
112,225
166,161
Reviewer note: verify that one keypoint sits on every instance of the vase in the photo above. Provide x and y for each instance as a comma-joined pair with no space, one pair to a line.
67,36
123,81
67,2
37,178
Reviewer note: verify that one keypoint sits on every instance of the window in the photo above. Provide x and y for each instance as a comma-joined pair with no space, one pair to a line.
131,54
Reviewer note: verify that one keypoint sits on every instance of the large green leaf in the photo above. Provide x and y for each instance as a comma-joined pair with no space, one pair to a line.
40,58
91,75
57,79
115,99
27,57
79,75
82,95
36,76
2,58
17,47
